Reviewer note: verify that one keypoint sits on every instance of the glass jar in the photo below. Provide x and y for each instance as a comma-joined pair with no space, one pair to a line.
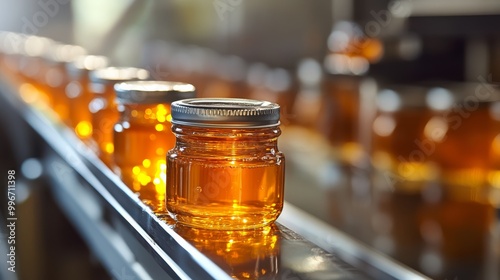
11,51
225,171
79,94
142,136
54,79
399,138
31,69
103,106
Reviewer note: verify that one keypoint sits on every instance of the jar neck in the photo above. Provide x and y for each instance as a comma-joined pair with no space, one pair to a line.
203,139
145,113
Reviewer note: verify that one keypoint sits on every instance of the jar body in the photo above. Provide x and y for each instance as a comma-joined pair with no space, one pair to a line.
225,178
54,83
104,116
80,97
142,137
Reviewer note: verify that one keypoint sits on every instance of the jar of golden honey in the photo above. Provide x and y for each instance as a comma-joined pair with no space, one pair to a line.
78,92
103,106
142,136
54,77
225,171
31,69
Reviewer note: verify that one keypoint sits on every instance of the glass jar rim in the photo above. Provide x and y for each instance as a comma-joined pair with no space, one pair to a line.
152,92
111,75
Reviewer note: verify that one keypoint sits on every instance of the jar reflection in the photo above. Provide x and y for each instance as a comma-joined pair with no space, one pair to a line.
244,254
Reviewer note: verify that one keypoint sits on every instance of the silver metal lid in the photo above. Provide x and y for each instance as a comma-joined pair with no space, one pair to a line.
225,113
112,75
84,64
152,92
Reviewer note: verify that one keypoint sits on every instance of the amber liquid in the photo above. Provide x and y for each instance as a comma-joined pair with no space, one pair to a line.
55,81
399,150
227,179
79,98
340,117
141,144
440,163
464,153
104,116
32,74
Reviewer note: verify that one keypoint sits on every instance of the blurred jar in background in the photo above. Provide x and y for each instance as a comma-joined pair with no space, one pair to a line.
466,138
78,92
103,106
32,65
54,79
228,80
143,135
431,153
309,97
345,116
275,85
11,50
32,68
463,140
349,95
169,61
245,254
494,151
400,153
401,170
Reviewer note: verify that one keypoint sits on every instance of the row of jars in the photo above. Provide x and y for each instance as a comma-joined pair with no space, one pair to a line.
361,125
410,136
126,119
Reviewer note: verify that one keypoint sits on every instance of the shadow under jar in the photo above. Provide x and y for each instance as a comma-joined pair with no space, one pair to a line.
225,171
142,136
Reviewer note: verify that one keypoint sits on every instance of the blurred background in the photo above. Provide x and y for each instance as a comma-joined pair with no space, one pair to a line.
390,113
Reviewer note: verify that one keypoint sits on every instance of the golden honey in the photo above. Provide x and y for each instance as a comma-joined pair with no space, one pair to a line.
225,171
32,67
464,151
11,48
399,147
78,92
142,136
103,106
54,77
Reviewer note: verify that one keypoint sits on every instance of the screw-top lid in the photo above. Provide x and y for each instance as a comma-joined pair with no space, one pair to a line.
152,92
84,64
225,113
118,74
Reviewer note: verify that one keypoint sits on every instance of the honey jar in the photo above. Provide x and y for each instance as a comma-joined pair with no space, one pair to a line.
142,135
225,171
103,106
54,77
78,92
